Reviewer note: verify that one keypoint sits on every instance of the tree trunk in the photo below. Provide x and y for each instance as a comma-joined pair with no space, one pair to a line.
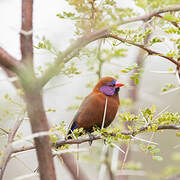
39,123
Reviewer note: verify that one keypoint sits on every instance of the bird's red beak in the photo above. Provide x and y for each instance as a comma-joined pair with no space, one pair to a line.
119,85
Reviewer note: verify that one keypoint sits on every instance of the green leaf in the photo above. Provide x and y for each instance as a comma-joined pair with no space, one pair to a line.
171,69
171,18
124,71
136,81
60,16
156,150
158,158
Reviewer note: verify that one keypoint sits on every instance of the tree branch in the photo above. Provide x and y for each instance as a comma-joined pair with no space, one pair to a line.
5,131
9,62
26,32
172,22
9,149
67,55
97,137
149,51
14,130
5,159
128,133
148,16
70,53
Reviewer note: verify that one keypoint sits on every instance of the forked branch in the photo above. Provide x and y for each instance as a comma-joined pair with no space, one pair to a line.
73,50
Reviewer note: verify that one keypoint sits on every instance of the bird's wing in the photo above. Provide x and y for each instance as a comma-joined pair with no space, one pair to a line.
86,109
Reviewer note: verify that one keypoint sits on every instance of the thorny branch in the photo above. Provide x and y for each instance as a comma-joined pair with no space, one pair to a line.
149,51
128,133
14,130
81,42
8,151
97,137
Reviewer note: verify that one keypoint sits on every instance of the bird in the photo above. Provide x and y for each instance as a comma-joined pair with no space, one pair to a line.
92,109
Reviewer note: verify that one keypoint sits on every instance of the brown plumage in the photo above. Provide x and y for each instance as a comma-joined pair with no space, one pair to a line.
92,108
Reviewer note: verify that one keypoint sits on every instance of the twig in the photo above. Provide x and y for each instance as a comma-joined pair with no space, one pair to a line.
27,176
126,155
4,130
117,147
6,156
148,16
70,52
15,128
128,133
7,153
146,122
170,91
144,140
172,22
93,13
24,164
149,51
177,76
99,71
131,173
176,146
104,115
161,112
163,72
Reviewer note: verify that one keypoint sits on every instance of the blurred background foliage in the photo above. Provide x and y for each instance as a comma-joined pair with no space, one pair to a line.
160,158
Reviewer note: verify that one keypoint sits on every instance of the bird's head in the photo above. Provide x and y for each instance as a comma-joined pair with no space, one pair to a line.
108,86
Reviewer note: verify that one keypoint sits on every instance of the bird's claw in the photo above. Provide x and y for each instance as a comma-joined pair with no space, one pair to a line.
91,138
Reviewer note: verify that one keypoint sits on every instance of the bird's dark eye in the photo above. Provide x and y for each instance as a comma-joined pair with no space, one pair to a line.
112,85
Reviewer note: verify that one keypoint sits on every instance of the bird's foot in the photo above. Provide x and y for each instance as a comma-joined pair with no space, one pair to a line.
91,138
105,142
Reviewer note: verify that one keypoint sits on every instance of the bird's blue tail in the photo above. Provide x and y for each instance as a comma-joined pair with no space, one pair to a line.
73,127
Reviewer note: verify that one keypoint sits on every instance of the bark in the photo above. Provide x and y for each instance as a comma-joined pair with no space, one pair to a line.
26,35
39,123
